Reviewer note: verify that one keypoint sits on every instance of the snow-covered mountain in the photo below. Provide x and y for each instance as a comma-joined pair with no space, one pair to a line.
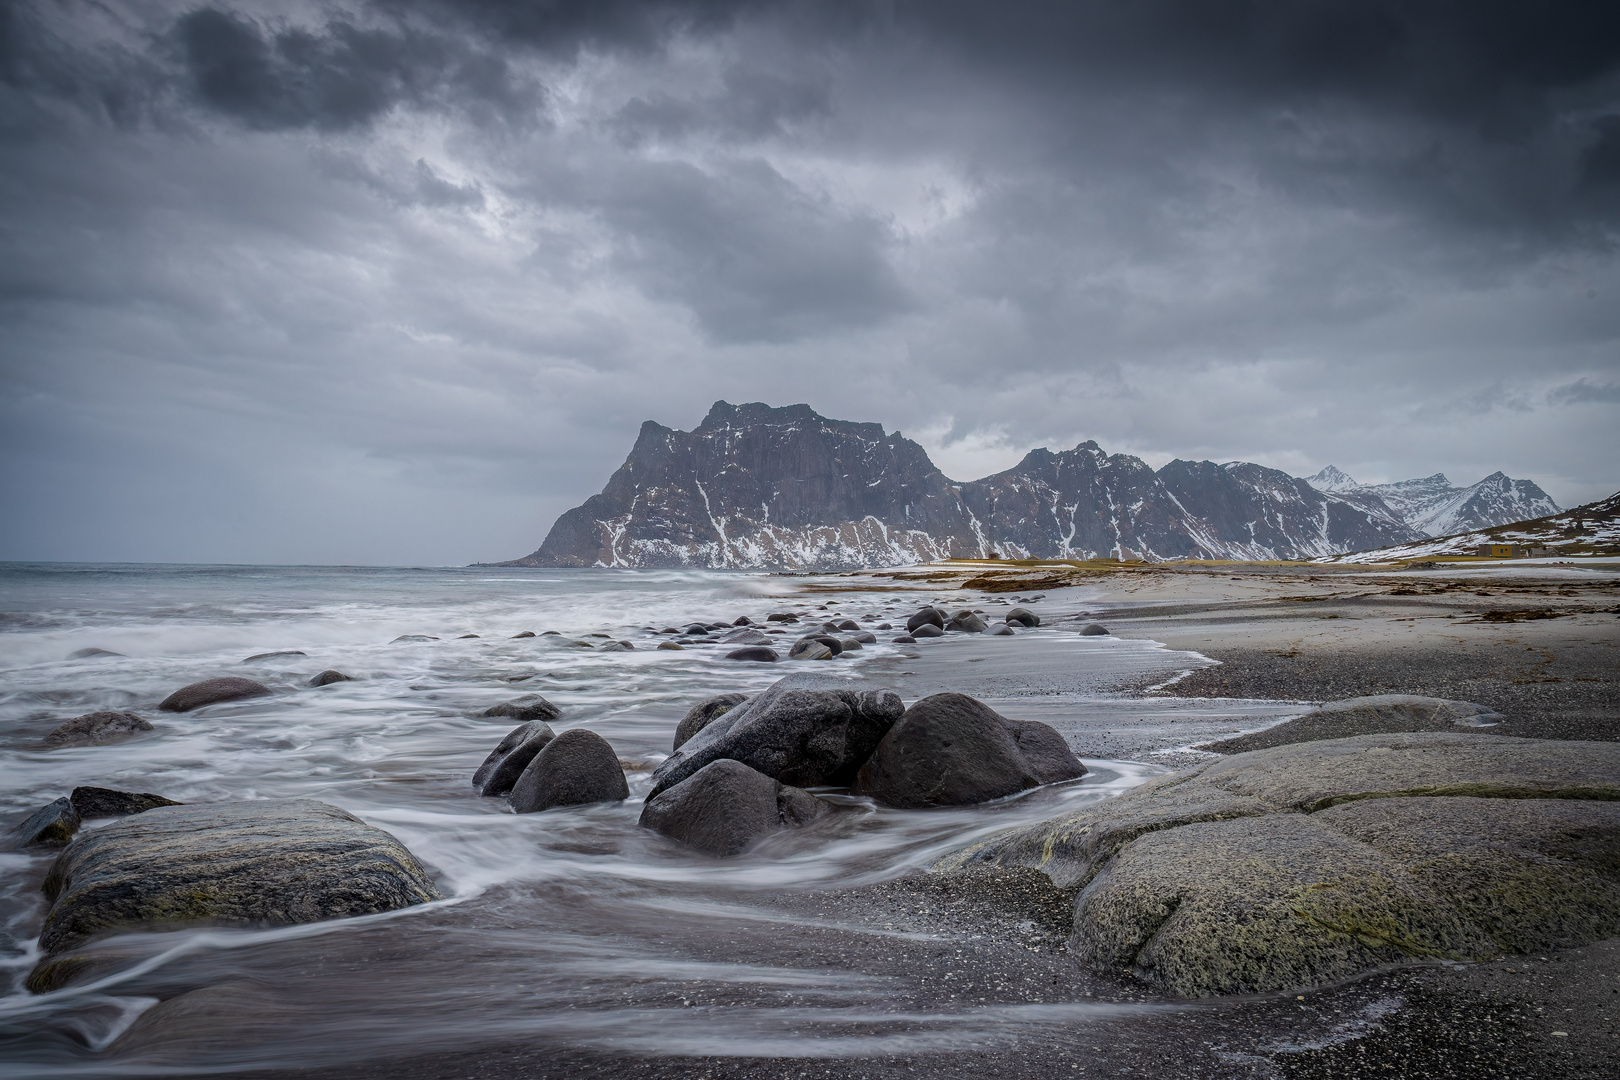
755,486
1590,530
1434,506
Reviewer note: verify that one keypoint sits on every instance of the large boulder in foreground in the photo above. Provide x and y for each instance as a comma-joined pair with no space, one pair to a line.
227,864
1312,862
1376,715
951,750
575,768
212,692
725,808
804,738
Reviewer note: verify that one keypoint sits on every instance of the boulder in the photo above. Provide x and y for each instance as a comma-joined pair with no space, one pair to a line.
926,630
85,654
746,635
99,802
52,825
259,863
525,708
782,617
742,620
1094,630
1022,616
1313,862
849,644
280,654
848,624
466,637
725,808
96,729
671,646
757,653
511,756
524,634
928,616
575,768
950,750
967,622
413,637
695,629
212,692
865,637
1000,629
806,738
703,714
618,646
810,649
330,676
904,639
1383,713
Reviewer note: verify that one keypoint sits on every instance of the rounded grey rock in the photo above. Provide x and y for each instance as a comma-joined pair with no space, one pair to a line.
757,653
575,768
726,807
503,766
212,692
330,676
928,616
1095,630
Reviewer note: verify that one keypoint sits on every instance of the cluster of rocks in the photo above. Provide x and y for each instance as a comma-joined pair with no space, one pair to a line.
933,622
740,765
541,770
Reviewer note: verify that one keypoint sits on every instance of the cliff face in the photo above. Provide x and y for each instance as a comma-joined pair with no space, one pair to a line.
754,486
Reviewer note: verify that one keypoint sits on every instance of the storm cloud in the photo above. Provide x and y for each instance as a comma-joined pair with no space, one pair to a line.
397,281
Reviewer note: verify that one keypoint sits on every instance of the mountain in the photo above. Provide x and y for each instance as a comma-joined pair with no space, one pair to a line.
1590,530
1434,506
755,486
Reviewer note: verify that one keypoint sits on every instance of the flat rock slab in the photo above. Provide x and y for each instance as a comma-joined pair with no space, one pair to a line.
1380,714
1311,862
227,864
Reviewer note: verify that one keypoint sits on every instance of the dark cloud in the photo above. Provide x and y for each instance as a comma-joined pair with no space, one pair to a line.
336,77
384,275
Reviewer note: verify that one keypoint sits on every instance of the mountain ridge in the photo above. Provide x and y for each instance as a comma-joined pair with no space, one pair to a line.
756,486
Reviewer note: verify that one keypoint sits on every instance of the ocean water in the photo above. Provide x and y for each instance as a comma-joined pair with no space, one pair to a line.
572,926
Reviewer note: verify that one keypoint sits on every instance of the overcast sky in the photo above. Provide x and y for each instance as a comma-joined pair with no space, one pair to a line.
396,281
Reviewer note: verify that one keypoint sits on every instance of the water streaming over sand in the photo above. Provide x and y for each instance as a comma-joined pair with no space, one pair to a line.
573,925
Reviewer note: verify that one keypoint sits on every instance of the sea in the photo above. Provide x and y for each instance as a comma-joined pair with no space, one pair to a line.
573,928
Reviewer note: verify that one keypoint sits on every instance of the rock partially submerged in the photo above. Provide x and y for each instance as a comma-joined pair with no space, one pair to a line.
52,825
212,692
951,750
1380,714
505,763
330,676
227,864
806,738
573,769
97,729
99,802
725,808
1311,862
526,708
